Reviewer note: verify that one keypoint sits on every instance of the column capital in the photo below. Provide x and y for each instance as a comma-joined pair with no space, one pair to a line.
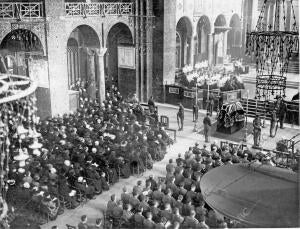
101,52
90,52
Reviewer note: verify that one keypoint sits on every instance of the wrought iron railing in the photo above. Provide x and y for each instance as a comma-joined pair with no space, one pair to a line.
19,10
98,9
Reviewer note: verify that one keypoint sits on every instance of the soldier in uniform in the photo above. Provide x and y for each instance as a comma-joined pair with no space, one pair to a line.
282,112
180,117
256,131
195,112
211,103
207,125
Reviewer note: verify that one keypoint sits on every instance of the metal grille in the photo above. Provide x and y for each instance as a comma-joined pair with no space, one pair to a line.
98,9
21,10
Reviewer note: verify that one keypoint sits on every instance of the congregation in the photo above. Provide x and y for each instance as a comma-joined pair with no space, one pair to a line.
77,156
176,200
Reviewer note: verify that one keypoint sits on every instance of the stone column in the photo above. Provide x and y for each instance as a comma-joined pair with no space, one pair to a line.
101,74
169,42
91,73
149,53
210,41
288,15
192,50
225,35
271,16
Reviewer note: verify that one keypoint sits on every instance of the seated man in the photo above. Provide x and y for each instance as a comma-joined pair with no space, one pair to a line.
148,222
167,212
127,215
111,205
167,198
176,216
83,223
158,194
138,218
50,206
125,196
155,210
190,221
134,201
117,211
88,190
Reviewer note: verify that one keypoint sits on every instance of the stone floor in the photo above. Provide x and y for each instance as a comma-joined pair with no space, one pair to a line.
94,208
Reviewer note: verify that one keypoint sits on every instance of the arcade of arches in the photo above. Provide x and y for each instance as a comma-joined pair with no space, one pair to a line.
214,46
17,47
82,58
124,77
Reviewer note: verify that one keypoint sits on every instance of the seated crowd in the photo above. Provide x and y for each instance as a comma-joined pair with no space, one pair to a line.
84,152
175,201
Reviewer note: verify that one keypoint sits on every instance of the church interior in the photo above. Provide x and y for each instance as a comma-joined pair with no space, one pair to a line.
163,114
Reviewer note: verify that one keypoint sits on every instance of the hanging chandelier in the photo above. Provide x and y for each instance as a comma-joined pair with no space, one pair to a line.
17,125
271,44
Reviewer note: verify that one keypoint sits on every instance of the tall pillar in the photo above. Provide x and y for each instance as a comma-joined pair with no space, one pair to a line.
169,41
192,50
149,54
210,49
225,35
101,74
142,49
271,16
137,49
288,15
91,73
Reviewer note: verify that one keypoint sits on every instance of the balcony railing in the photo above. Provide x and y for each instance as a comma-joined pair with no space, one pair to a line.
98,9
19,10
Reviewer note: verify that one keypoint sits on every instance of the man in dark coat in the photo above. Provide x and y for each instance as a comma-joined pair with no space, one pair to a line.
256,131
207,126
195,112
151,104
180,117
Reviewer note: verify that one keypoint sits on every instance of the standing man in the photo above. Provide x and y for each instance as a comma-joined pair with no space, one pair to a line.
195,111
273,123
151,104
180,117
282,112
211,103
207,125
256,130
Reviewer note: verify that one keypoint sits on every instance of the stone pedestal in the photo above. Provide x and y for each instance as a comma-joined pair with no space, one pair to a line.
101,74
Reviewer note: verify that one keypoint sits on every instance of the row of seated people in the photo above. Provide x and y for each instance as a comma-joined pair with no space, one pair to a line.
176,200
83,153
179,193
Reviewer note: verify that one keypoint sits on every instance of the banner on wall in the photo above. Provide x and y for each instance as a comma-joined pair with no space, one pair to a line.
126,57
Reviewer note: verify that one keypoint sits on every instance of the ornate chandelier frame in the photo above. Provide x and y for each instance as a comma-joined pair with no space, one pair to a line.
272,46
18,108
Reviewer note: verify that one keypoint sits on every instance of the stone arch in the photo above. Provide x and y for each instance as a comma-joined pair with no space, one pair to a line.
220,21
185,29
120,37
21,44
108,29
220,35
82,45
203,29
234,41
